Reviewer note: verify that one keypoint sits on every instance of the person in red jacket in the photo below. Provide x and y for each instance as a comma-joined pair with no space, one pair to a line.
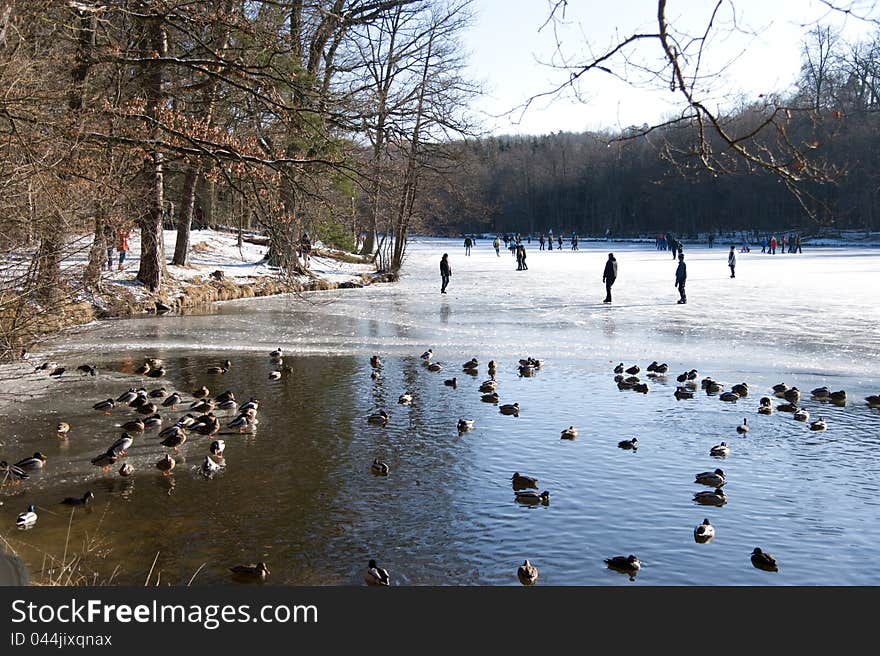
773,245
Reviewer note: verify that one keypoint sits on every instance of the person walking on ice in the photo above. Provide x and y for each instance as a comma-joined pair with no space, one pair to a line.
497,245
445,272
681,278
731,261
467,245
609,276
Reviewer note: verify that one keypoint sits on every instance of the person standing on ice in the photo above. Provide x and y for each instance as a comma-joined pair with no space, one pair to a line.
497,245
467,245
445,272
773,244
681,278
731,261
609,276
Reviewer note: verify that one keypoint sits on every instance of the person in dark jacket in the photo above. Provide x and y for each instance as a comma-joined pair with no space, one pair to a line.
731,261
445,272
681,278
609,276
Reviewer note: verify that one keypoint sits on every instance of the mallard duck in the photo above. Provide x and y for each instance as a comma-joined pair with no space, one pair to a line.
222,397
821,393
379,467
569,433
838,398
527,573
165,464
427,355
715,497
209,467
704,532
531,497
801,415
127,469
174,440
35,461
787,407
521,481
714,387
140,398
158,393
219,370
120,446
488,386
156,373
174,432
743,427
135,425
375,362
252,404
62,429
629,444
711,478
209,424
27,519
683,393
252,572
792,395
435,366
217,448
720,450
741,388
143,370
873,401
375,575
105,406
451,382
405,399
379,418
464,425
509,409
201,393
492,367
246,420
764,561
627,564
203,406
633,370
153,421
729,397
473,363
527,370
780,389
229,406
148,409
619,369
105,460
277,353
491,397
172,401
84,500
818,425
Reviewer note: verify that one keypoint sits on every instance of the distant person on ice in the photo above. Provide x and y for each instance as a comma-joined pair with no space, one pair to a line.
731,261
773,244
497,245
609,276
467,245
445,272
122,235
541,242
680,278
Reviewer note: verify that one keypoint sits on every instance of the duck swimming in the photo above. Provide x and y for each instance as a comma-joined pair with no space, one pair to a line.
713,498
85,500
629,444
427,355
569,433
780,389
743,427
801,415
491,397
741,389
821,393
127,469
405,399
375,575
509,409
527,573
633,370
764,561
720,450
711,478
730,397
792,395
838,398
521,481
531,497
253,572
380,418
464,425
873,401
220,370
683,393
619,369
451,382
627,564
27,519
379,467
35,461
435,366
704,532
375,362
818,425
62,429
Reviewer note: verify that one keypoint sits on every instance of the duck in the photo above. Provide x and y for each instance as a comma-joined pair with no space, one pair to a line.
156,373
729,397
619,369
765,406
632,380
217,448
451,382
661,369
376,575
374,375
174,432
35,461
628,564
713,387
488,386
120,446
140,398
405,399
792,395
427,355
158,393
62,429
12,473
27,519
209,424
873,401
569,433
379,418
209,467
148,409
618,378
491,397
642,388
375,362
379,467
821,393
126,470
464,425
531,497
246,420
135,425
252,404
741,388
473,363
633,370
172,401
201,393
780,389
202,406
509,409
763,560
165,464
629,444
527,573
87,369
704,532
223,397
104,460
838,398
683,393
624,385
220,370
787,407
801,415
682,377
277,353
84,500
818,425
252,572
57,372
229,406
711,478
105,406
275,375
527,370
714,497
652,367
743,427
720,450
435,366
521,481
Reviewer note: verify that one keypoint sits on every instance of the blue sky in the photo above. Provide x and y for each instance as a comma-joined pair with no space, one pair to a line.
510,55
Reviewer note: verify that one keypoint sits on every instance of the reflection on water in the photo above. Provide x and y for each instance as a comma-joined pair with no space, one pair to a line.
298,492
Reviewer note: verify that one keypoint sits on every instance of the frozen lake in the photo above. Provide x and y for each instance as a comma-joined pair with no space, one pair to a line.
299,494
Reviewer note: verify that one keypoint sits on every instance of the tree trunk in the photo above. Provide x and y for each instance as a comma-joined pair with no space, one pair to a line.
184,218
49,267
97,257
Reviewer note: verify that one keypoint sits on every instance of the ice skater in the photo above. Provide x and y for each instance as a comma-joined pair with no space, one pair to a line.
609,276
731,261
681,278
445,272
